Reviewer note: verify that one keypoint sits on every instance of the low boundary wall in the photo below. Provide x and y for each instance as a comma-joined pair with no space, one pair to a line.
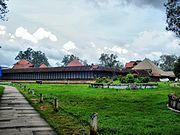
125,86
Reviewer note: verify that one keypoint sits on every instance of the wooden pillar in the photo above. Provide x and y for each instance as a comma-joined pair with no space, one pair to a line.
41,98
93,124
32,92
56,104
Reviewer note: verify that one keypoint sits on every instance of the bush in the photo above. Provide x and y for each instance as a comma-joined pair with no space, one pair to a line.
103,80
145,80
123,79
142,80
130,78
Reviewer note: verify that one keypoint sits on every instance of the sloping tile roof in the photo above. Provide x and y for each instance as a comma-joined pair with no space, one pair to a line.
130,64
43,66
75,63
146,64
63,69
23,64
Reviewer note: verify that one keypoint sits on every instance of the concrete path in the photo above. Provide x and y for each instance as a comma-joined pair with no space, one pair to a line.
18,117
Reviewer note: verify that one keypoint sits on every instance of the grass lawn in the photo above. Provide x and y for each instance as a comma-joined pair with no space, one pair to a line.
1,90
130,111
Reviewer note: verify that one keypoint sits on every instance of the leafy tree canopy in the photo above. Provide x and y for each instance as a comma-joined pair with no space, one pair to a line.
177,68
35,57
3,9
166,62
68,58
173,16
110,60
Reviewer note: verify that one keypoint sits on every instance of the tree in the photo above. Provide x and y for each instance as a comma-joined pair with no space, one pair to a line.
173,16
67,59
3,9
35,57
27,55
166,62
177,68
156,62
39,58
110,60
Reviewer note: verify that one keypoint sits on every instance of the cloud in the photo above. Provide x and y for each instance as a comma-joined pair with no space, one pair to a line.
41,34
139,3
152,44
119,50
153,3
69,46
36,36
2,30
2,27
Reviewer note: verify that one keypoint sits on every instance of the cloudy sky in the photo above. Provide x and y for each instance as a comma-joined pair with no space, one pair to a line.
132,29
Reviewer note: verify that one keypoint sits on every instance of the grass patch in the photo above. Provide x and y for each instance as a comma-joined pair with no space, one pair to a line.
130,111
1,90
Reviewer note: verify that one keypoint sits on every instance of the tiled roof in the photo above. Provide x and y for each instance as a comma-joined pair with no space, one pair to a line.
75,63
131,64
147,64
62,69
43,66
22,64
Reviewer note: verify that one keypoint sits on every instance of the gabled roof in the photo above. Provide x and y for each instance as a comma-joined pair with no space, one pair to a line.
43,66
131,64
147,64
22,64
75,63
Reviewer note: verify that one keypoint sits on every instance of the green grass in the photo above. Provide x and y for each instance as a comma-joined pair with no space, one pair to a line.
1,90
130,111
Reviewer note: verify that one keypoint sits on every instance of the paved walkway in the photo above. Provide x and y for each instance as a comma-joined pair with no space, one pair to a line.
18,117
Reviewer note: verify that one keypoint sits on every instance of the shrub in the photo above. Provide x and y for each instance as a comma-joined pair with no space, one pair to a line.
145,80
139,80
123,79
98,80
104,80
135,75
130,78
142,80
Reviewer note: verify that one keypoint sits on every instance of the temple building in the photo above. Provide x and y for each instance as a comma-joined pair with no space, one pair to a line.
75,70
149,69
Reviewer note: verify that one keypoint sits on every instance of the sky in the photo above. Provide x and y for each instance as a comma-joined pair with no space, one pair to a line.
132,29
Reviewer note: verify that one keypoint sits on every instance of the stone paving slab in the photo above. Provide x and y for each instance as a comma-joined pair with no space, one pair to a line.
18,117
